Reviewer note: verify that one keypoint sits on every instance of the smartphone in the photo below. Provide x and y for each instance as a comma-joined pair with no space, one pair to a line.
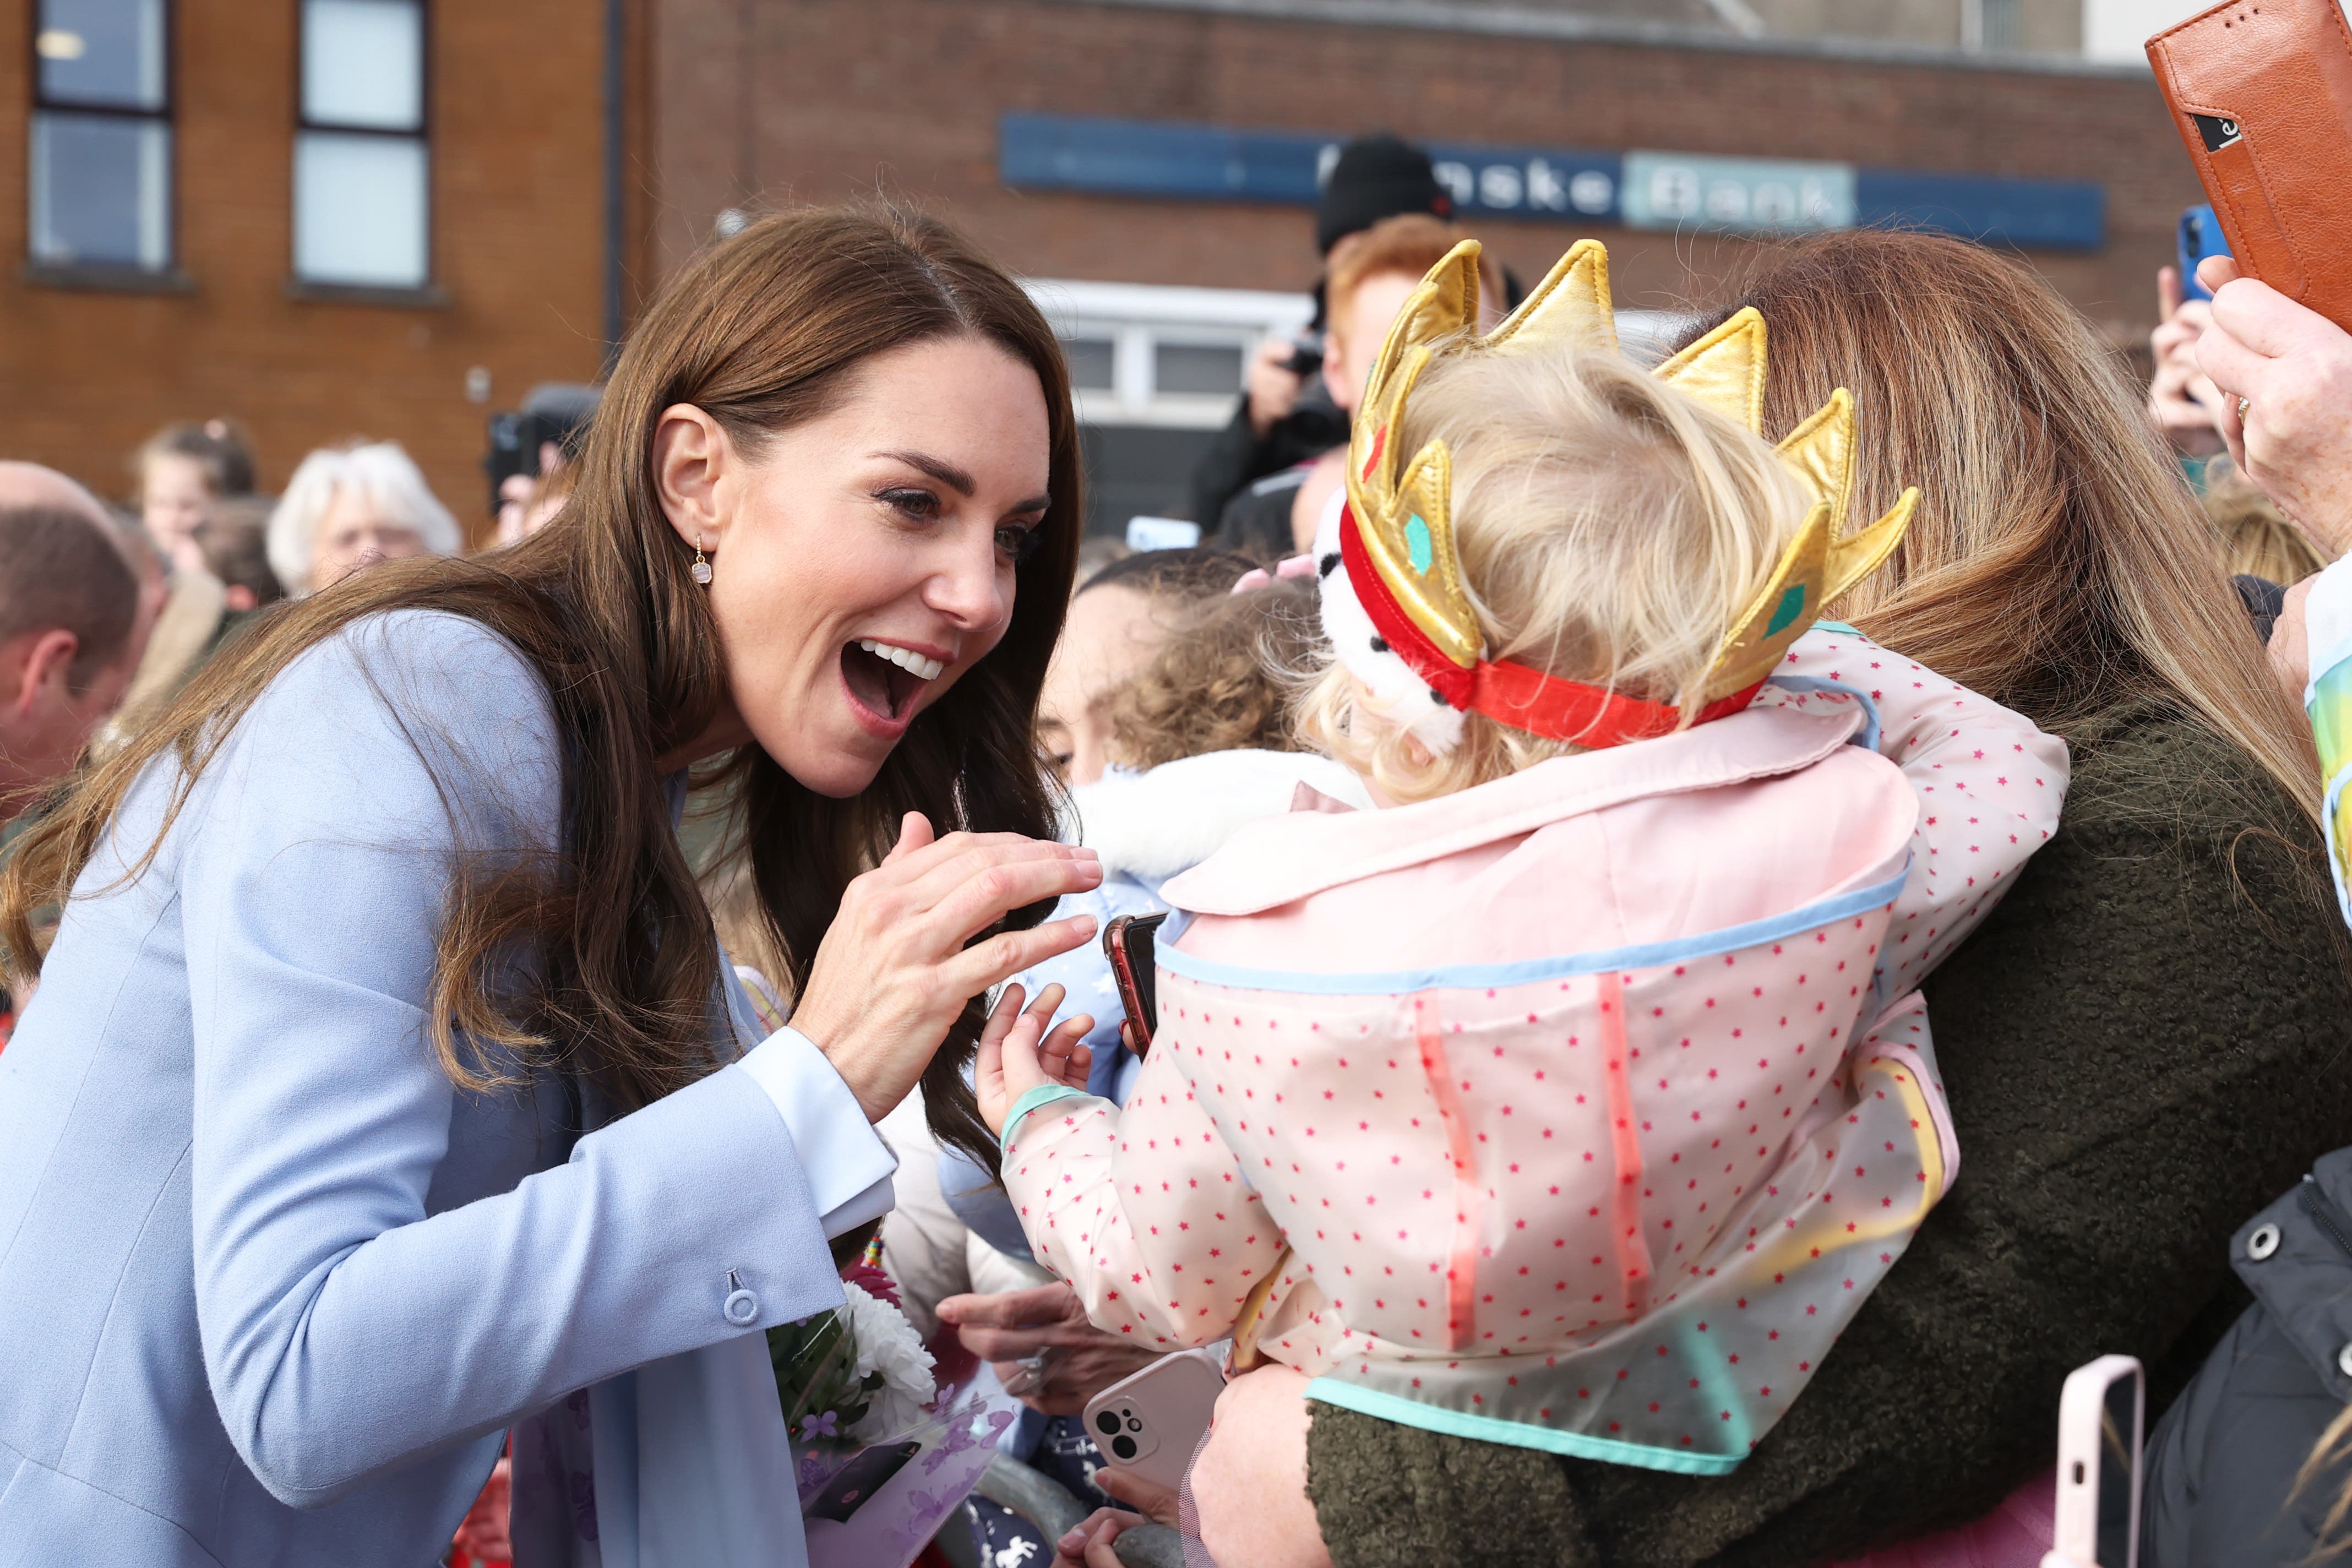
860,1478
1150,1423
2201,236
1126,943
2099,1416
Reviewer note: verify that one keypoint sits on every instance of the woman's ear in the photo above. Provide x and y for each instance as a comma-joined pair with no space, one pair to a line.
696,474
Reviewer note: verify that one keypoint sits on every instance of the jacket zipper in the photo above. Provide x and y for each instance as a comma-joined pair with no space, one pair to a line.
2315,1203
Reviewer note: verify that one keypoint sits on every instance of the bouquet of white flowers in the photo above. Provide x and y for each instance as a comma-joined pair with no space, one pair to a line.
880,1458
855,1375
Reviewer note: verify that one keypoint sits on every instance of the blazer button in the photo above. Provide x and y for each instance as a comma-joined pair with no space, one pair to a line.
742,1309
2263,1242
2344,1361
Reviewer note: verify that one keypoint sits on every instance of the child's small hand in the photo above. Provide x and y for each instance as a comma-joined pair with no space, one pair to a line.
1017,1053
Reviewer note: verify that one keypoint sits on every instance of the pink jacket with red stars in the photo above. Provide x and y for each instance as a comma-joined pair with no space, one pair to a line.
1577,1110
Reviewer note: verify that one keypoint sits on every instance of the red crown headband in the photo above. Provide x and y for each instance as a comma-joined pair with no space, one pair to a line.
1549,705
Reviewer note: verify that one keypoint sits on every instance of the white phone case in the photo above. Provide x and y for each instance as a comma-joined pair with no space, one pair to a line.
1150,1423
2082,1405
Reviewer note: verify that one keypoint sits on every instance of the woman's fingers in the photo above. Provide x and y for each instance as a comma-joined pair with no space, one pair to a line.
989,964
919,874
894,969
992,885
914,832
1038,1306
2168,291
930,876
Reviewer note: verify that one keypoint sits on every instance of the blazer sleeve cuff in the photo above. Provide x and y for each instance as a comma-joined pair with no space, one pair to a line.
848,1165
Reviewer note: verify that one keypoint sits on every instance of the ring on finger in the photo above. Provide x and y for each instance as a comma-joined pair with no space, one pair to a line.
2243,405
1029,1376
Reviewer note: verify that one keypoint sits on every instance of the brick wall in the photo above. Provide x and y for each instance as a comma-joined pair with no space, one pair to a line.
518,249
829,100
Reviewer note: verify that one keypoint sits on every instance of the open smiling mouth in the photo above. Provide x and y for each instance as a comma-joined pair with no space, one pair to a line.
884,678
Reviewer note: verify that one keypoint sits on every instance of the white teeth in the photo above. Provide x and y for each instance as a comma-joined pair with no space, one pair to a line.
908,659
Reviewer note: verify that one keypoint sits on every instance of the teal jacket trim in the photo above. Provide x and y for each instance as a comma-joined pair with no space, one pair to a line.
1487,1429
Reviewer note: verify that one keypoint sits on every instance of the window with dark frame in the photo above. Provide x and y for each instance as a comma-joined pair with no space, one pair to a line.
363,166
100,184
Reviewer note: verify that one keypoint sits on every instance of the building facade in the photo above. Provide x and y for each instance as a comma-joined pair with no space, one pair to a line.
1161,144
329,218
323,218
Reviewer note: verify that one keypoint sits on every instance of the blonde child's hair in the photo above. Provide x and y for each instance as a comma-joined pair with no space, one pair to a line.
2251,535
1609,529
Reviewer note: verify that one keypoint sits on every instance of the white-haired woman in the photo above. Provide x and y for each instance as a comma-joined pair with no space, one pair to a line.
349,507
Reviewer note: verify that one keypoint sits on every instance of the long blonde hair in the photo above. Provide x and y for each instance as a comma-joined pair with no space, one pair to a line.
1609,528
2058,562
2252,535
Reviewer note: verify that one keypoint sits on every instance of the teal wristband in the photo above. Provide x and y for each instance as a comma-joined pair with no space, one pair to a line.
1043,1094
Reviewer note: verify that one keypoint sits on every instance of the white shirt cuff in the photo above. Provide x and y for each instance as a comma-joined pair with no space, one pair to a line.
847,1164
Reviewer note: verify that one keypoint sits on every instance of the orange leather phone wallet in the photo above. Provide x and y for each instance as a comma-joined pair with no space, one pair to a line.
2261,93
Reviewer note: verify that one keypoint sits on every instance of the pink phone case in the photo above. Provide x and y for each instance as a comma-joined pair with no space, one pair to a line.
1150,1422
2081,1406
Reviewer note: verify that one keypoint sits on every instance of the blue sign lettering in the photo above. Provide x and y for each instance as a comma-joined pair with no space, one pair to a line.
1641,189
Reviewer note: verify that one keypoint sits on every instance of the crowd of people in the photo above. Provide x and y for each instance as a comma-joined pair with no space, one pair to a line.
1730,916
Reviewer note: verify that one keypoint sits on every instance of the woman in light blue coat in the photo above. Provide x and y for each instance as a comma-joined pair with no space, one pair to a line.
384,1091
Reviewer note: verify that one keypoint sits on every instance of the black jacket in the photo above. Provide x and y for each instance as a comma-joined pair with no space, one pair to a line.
2219,1491
1239,457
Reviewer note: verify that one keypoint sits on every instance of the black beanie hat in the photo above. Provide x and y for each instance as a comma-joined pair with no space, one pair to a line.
1377,176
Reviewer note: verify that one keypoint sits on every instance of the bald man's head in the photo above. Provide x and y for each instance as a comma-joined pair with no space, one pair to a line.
31,485
63,568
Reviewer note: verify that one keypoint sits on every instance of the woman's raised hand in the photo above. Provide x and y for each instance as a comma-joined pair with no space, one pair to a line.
894,971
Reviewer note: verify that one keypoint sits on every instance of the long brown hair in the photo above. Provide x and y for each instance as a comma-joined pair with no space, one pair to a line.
2058,562
762,332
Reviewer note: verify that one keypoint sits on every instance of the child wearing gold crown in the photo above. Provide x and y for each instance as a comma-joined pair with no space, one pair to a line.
1576,1098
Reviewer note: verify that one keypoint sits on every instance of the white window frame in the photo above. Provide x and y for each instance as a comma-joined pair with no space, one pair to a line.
1136,318
162,117
421,136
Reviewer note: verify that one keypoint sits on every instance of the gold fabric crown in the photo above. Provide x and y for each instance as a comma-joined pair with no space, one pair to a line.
1403,507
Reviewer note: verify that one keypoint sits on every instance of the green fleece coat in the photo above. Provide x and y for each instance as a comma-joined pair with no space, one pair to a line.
2140,1050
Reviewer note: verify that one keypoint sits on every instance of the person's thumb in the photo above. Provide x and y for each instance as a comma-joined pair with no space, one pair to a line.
914,832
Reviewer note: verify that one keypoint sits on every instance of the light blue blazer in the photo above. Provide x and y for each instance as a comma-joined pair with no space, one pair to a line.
270,1289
